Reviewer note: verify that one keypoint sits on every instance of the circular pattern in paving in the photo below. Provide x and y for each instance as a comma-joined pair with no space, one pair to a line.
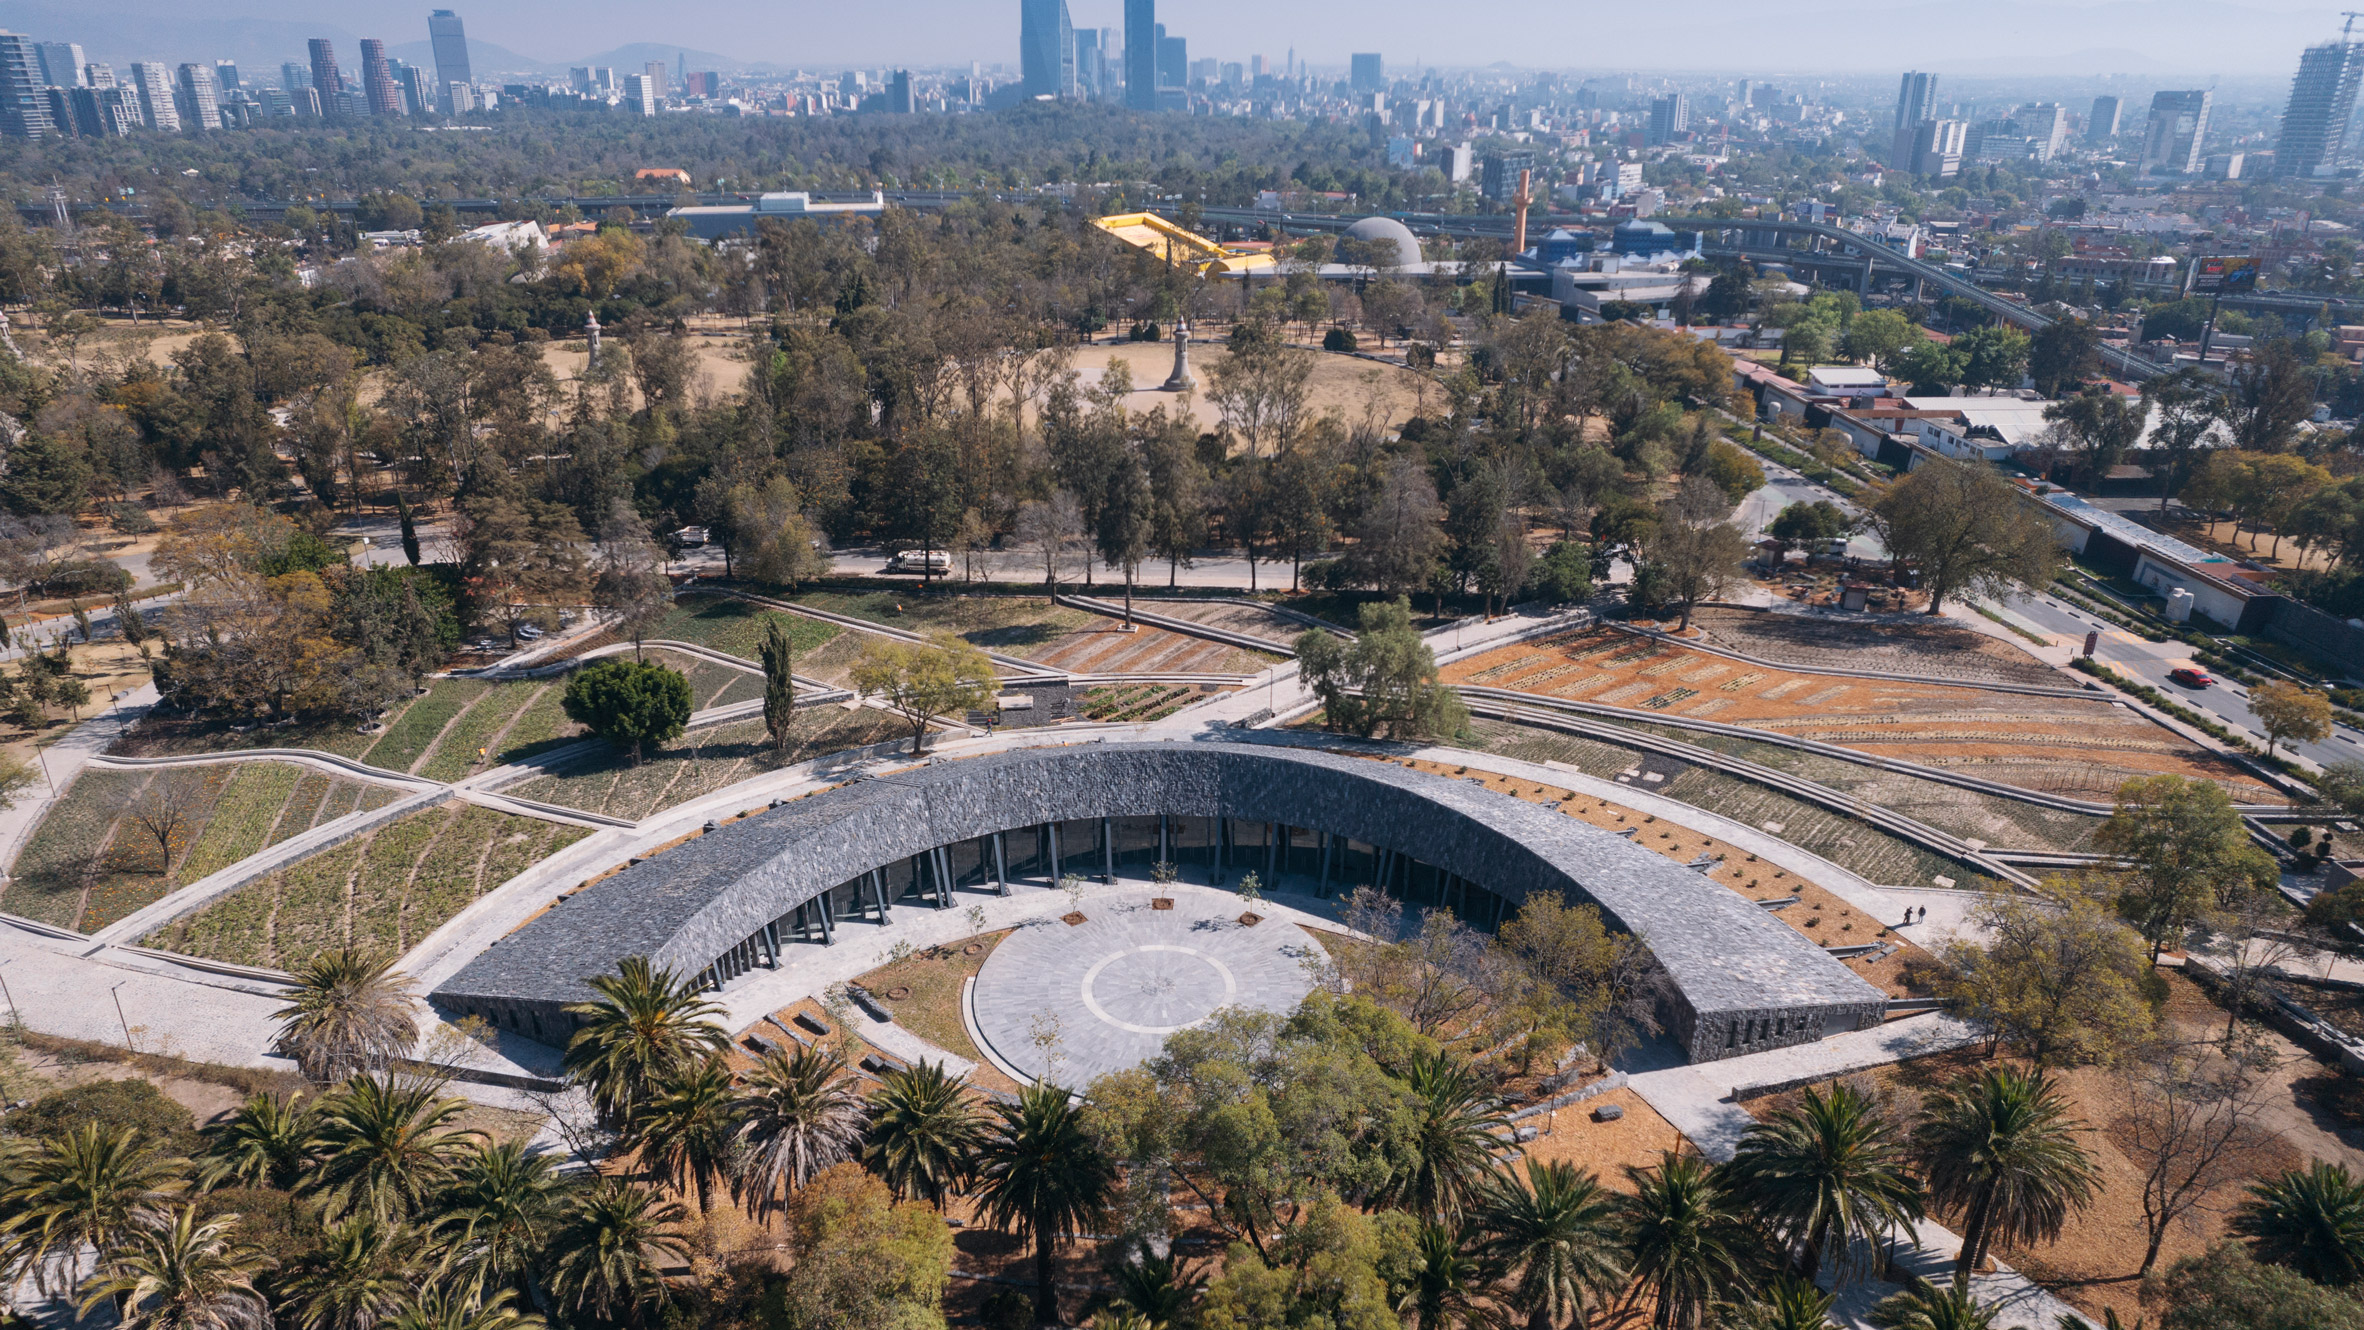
1073,1002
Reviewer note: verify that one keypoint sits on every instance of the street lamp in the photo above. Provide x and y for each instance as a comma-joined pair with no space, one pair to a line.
117,993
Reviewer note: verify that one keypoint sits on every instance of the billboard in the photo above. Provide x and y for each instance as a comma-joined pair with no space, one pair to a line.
2224,274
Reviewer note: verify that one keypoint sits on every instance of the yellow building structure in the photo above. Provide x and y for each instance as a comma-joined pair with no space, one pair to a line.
1148,231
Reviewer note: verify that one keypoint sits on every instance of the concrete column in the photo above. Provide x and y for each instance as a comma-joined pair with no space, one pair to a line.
771,948
1272,841
1162,855
1323,890
828,930
1054,830
1001,866
877,882
943,865
1108,849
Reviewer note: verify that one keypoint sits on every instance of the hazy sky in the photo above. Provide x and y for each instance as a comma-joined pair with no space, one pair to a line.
1987,37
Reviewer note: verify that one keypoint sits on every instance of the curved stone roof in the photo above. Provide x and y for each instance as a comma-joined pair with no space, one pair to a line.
1729,963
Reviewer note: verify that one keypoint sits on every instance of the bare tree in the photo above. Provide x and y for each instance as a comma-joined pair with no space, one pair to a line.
631,589
2191,1127
1052,526
166,807
2252,950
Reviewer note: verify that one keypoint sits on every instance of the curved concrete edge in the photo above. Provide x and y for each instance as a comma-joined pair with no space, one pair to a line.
316,758
535,808
866,626
1186,627
39,929
213,886
976,1034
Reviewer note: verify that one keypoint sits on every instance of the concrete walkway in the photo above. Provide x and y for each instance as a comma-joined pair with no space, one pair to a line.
61,762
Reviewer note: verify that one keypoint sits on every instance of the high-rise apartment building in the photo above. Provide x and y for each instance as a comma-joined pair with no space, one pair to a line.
1669,116
1937,148
1365,72
24,99
450,40
2178,124
898,93
2046,125
1499,178
1916,101
1173,62
153,82
225,76
377,79
1141,54
103,110
2322,98
1090,78
1046,49
641,95
2102,125
61,64
200,99
325,76
658,85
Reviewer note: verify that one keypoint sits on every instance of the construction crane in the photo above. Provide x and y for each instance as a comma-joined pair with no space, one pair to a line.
1176,246
2351,16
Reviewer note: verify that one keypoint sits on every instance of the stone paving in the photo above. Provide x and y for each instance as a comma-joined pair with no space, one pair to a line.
1070,1003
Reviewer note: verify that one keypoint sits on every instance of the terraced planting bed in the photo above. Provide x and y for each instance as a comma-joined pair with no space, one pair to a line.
1104,647
383,891
421,722
1852,844
1137,701
91,863
1254,620
711,684
1012,625
734,626
703,761
1931,723
1916,646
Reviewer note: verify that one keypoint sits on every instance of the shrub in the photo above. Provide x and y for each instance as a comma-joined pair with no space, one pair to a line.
628,703
80,577
1339,339
131,519
110,1105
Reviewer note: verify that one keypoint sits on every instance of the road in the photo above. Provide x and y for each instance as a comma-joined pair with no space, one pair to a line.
2150,661
1784,487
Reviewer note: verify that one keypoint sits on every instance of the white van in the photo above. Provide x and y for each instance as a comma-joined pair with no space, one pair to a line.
925,562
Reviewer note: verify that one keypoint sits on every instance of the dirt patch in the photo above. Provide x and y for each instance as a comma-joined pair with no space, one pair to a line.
1935,648
931,983
2053,744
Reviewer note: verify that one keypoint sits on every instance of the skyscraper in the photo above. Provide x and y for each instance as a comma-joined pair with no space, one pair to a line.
2322,97
898,93
24,97
325,77
225,74
1173,62
377,79
201,100
1089,80
640,95
1916,101
2102,125
1669,116
2178,124
1365,72
1046,48
153,82
2046,127
657,86
1141,54
293,75
450,40
103,110
61,64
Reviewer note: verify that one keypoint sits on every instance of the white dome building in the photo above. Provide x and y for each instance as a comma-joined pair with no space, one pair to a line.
1388,229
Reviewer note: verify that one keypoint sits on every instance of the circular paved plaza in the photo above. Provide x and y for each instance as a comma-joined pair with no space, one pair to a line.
1072,1002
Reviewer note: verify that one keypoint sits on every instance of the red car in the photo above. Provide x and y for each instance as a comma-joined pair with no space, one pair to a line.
2190,678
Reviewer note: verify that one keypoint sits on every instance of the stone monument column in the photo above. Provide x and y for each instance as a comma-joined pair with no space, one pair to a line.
591,330
1180,380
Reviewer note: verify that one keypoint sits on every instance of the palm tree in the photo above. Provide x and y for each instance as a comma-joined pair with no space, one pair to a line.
91,1188
1928,1307
1828,1171
2312,1222
360,1274
494,1216
1443,1291
1788,1303
645,1026
1043,1177
923,1132
350,1013
185,1275
270,1141
612,1250
441,1307
384,1147
797,1116
686,1130
1554,1237
1688,1246
1457,1131
1158,1289
2002,1148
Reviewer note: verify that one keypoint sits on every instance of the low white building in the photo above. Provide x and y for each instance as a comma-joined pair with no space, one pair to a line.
508,237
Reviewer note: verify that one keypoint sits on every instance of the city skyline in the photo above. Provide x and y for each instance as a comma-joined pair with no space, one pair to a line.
2116,36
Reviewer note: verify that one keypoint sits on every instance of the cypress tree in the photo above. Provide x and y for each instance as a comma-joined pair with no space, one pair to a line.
779,686
410,529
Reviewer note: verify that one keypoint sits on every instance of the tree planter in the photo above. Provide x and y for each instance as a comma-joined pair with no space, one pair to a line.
1162,903
1251,919
1072,918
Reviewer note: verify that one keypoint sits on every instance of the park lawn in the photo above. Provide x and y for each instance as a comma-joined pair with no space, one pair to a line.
90,863
382,892
407,740
930,982
703,761
1008,624
736,627
454,756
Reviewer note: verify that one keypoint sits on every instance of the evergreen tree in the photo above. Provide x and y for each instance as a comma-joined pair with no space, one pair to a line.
779,685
